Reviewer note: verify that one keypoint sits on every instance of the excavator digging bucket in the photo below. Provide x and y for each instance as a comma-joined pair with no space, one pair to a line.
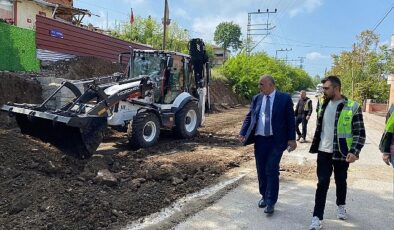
70,128
76,136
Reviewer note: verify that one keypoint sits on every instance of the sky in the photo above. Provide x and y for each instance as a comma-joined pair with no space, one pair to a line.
311,30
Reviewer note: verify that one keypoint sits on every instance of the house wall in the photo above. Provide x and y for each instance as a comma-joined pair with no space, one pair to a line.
26,14
219,56
62,2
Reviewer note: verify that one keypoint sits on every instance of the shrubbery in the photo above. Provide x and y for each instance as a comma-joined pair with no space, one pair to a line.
244,72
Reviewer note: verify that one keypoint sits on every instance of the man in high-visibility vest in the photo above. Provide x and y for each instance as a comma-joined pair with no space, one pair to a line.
338,140
303,111
388,156
320,100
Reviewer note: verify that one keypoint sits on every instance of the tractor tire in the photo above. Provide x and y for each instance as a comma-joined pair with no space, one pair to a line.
187,120
144,131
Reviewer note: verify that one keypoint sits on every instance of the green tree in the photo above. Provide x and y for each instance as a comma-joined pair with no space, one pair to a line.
244,71
227,34
150,31
364,69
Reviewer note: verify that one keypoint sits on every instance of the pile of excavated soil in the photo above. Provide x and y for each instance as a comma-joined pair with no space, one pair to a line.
18,88
223,97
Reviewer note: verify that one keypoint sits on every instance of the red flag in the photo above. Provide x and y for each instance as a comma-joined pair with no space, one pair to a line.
131,17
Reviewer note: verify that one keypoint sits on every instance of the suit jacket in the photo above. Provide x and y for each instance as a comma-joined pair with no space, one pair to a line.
282,120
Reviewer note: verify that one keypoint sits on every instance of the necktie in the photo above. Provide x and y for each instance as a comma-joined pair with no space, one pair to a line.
267,115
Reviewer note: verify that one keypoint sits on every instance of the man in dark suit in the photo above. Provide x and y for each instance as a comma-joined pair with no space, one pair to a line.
270,125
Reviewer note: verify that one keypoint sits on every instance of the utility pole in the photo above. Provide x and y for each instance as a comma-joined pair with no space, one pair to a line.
107,20
286,50
301,62
257,27
166,22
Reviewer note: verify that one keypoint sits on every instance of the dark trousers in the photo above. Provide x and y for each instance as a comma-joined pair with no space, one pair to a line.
267,158
325,166
304,122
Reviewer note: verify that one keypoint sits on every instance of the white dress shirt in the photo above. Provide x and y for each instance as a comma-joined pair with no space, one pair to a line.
260,122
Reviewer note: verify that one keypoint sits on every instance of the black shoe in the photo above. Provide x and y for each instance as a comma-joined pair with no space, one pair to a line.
262,203
269,209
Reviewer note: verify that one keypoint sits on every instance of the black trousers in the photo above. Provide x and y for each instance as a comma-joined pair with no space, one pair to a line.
302,120
325,166
267,157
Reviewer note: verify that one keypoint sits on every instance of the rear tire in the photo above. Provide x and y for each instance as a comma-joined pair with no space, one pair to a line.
187,120
144,131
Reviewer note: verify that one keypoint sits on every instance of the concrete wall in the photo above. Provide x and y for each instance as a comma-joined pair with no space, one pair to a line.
64,96
375,107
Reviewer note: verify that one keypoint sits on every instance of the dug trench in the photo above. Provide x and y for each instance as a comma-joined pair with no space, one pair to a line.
42,188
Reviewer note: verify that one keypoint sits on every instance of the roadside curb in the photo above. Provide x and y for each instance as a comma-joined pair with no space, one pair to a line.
192,203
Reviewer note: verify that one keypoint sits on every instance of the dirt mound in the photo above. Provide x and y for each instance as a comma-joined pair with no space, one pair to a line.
223,97
18,88
43,189
80,68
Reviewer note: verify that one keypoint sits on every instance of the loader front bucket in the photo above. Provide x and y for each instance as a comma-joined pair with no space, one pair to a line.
76,136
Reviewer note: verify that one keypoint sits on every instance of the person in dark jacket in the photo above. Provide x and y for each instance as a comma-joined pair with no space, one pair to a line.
303,112
338,140
270,125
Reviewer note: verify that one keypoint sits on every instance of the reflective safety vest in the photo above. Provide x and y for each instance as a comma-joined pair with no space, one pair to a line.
390,124
319,107
344,126
306,105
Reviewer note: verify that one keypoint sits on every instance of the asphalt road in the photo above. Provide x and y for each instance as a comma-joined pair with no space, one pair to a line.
370,202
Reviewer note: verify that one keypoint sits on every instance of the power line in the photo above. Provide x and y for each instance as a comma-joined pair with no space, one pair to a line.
265,27
285,50
388,12
311,44
392,7
258,43
296,45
